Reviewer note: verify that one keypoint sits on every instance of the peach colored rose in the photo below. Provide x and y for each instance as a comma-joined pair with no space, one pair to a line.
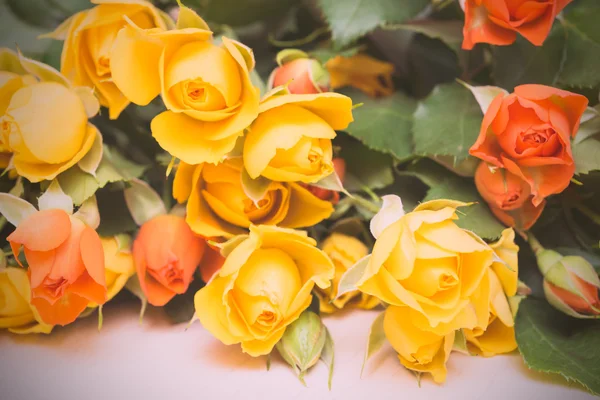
528,132
498,21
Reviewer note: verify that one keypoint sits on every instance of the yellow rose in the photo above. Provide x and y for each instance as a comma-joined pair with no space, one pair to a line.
419,350
499,334
118,264
16,313
89,36
206,87
507,250
218,206
290,141
426,263
344,251
38,103
263,286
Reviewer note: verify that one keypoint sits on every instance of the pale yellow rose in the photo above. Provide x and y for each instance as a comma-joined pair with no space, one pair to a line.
205,86
344,251
290,141
89,36
426,263
218,206
263,286
499,334
419,350
118,264
43,118
16,312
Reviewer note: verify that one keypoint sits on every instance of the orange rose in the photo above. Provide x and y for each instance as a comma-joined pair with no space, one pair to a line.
299,74
589,304
166,254
66,264
508,197
528,132
498,21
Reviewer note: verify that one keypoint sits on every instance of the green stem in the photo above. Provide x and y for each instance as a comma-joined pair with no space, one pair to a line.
588,212
298,42
535,245
3,222
374,208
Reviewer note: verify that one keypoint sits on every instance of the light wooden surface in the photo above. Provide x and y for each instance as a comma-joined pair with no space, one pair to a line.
162,361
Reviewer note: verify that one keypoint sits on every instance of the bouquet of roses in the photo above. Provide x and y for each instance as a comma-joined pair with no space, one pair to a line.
437,161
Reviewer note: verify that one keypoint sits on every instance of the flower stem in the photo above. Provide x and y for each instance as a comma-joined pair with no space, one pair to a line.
585,210
535,245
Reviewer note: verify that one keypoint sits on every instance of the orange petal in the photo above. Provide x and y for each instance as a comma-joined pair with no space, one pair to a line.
45,230
40,265
479,28
486,147
88,288
211,263
63,312
93,256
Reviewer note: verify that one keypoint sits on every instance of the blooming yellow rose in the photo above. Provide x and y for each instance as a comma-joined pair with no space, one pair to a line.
419,350
37,104
499,334
426,263
344,251
263,286
89,36
290,141
206,87
118,264
218,206
16,313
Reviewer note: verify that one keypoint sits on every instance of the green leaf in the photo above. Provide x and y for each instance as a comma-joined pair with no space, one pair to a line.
523,62
447,122
114,216
241,12
143,202
351,19
15,31
328,356
550,341
448,31
133,285
460,342
331,182
364,167
582,63
383,124
445,185
352,275
587,155
79,185
375,340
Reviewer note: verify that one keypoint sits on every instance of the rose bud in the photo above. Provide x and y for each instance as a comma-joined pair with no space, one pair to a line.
303,342
508,196
339,166
570,282
302,74
166,254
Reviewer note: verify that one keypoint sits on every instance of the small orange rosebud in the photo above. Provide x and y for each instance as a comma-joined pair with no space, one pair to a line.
300,74
166,254
508,196
589,304
66,264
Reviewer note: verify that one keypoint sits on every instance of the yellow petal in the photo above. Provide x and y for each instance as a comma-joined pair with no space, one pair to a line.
211,311
507,250
403,335
257,348
182,183
334,108
305,209
134,64
39,172
185,138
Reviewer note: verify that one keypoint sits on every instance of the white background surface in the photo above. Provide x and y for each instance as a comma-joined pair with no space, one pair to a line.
162,361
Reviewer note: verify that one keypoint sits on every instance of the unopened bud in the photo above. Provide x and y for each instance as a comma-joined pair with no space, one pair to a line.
303,342
302,74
